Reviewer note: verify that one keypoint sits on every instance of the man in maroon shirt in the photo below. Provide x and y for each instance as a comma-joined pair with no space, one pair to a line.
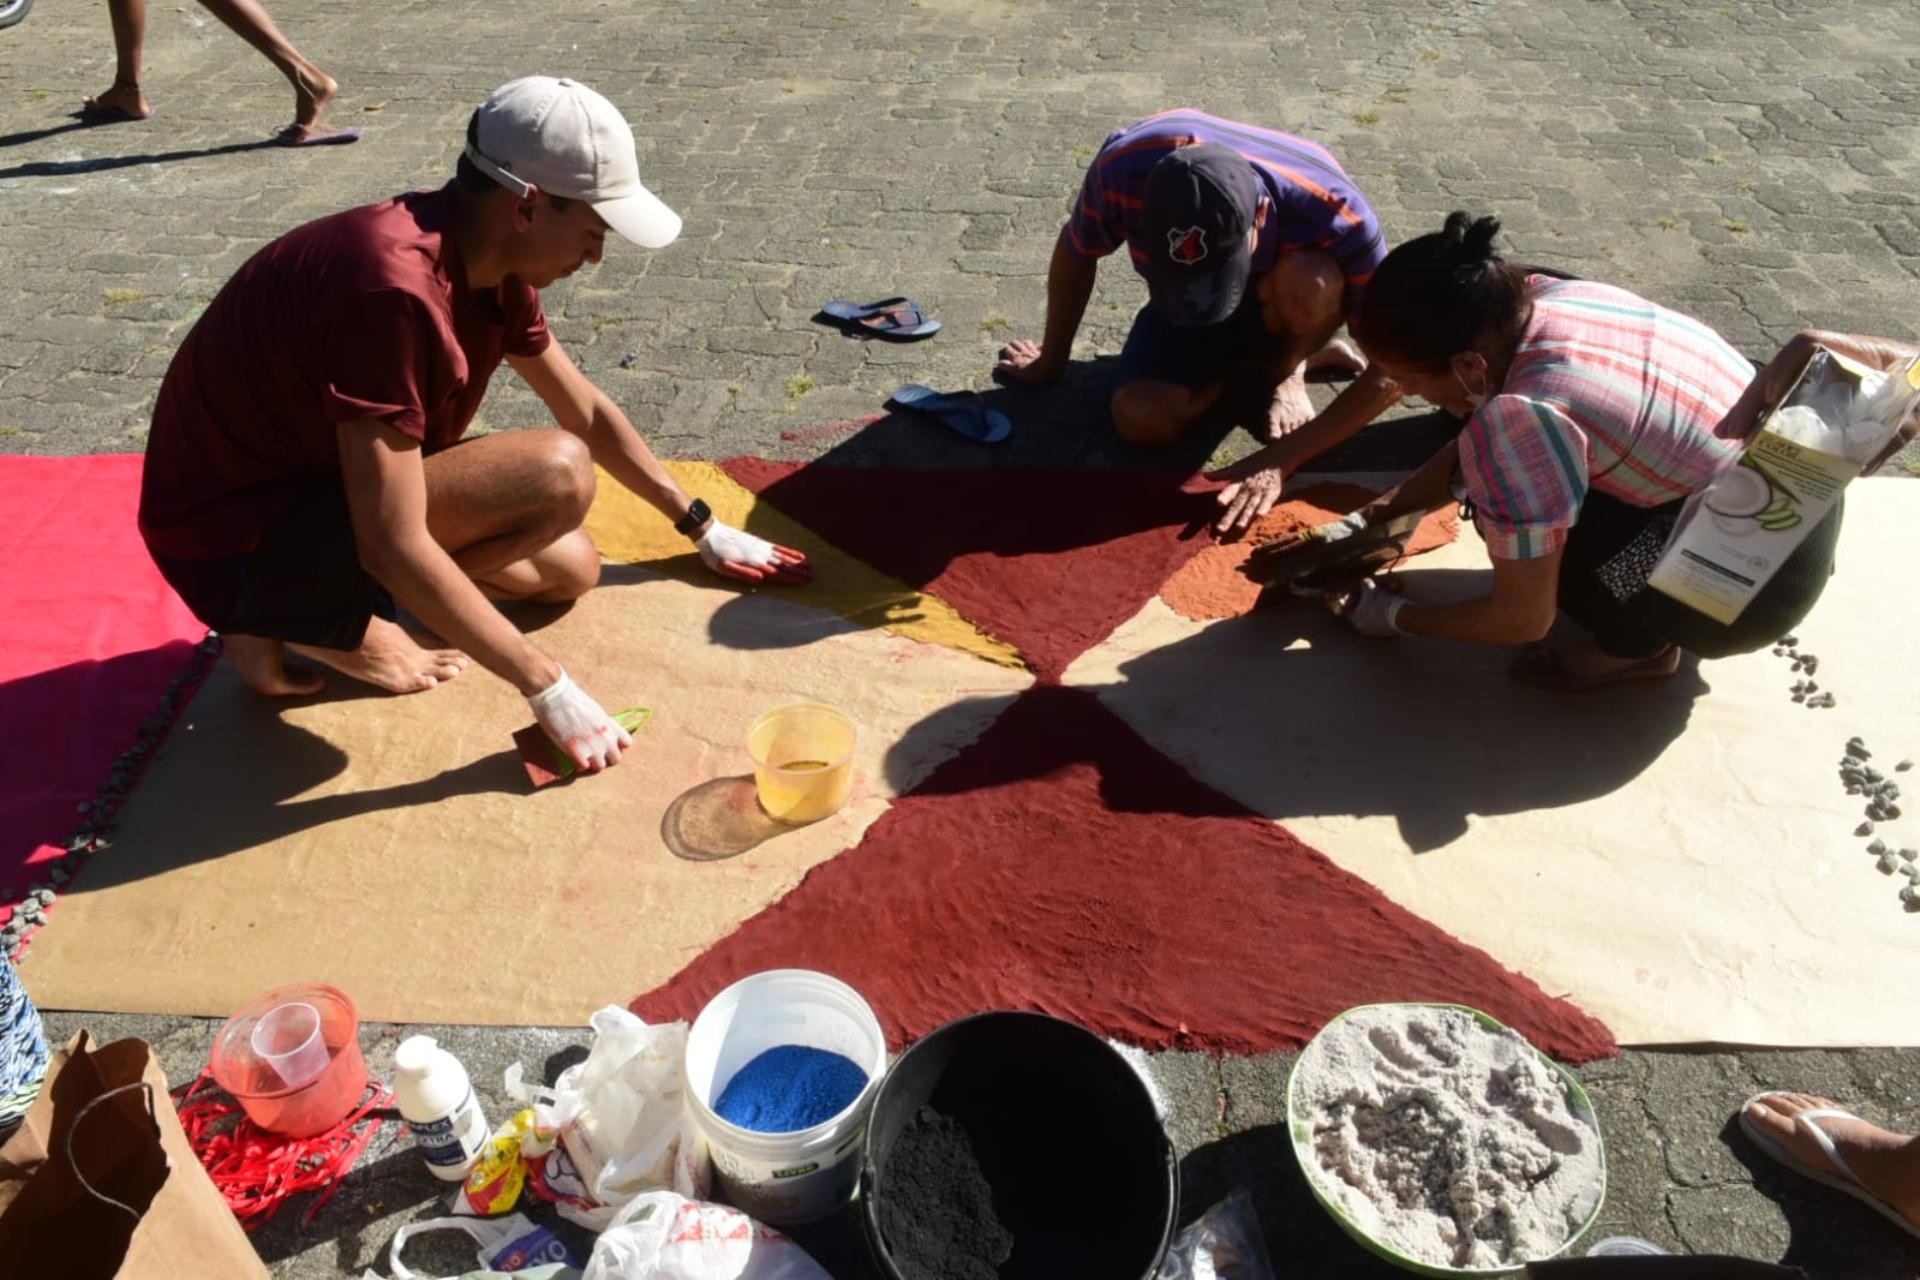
305,469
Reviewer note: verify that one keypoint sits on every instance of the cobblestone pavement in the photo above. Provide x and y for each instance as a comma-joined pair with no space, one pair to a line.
1748,162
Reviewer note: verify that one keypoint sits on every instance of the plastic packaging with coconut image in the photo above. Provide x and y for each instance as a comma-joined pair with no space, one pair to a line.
1747,497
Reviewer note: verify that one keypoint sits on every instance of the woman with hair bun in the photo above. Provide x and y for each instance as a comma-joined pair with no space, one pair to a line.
1591,416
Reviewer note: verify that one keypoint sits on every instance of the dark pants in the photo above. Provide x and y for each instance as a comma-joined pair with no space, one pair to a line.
1648,620
302,584
1198,356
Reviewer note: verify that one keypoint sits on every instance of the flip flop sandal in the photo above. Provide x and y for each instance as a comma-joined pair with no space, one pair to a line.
1850,1183
898,319
292,136
1542,668
963,411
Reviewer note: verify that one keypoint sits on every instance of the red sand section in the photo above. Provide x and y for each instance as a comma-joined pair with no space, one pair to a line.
1211,585
90,637
1048,561
1063,865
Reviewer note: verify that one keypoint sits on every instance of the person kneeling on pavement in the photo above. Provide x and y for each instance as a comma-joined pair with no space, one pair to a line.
306,467
1255,246
1592,415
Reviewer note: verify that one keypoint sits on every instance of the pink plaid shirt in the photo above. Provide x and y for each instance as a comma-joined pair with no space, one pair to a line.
1608,391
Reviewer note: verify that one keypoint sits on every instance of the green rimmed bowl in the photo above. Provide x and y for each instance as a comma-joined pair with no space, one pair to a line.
1301,1135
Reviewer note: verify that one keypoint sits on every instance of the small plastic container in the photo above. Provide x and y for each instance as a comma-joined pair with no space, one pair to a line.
287,1038
802,761
784,1179
246,1072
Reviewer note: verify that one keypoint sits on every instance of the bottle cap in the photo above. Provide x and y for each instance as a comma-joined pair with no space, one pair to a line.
414,1057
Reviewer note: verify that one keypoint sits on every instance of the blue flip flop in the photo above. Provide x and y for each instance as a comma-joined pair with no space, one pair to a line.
899,319
963,411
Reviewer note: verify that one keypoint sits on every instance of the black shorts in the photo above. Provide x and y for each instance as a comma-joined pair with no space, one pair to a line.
1198,356
303,583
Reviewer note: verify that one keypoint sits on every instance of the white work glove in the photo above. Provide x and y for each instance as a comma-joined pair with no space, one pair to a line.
578,725
1371,610
1337,530
751,558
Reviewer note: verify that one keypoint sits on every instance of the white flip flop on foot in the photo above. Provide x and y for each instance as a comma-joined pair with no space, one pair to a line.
1849,1182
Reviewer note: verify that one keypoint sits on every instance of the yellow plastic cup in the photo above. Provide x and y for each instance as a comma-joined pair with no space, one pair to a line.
802,761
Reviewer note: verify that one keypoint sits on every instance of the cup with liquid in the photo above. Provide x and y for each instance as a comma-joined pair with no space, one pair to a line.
802,761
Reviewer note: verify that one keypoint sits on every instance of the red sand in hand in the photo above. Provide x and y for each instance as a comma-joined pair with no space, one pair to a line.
1211,585
1061,864
1048,561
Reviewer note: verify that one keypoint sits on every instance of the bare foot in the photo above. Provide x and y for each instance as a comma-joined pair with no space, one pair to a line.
313,89
261,666
391,659
1291,408
1337,354
1887,1163
122,99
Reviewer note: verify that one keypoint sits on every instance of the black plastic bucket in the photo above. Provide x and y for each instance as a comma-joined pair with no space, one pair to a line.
1064,1133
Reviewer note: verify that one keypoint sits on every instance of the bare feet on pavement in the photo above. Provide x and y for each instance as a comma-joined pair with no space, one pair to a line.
1291,408
391,659
313,90
1337,354
121,99
1887,1163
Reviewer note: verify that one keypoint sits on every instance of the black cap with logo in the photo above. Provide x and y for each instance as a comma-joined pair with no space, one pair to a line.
1200,201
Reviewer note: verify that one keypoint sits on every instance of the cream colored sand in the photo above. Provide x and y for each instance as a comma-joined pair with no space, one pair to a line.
390,845
629,531
1679,860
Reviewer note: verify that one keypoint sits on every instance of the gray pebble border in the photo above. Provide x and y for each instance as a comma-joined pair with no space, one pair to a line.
97,816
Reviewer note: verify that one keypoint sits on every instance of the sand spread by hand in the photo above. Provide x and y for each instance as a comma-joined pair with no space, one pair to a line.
1211,585
1445,1140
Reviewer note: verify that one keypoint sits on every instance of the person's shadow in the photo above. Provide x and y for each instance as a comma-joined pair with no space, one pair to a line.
1293,715
102,164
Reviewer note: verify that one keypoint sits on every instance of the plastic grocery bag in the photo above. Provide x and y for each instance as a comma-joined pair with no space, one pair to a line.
1223,1245
663,1236
622,1116
509,1244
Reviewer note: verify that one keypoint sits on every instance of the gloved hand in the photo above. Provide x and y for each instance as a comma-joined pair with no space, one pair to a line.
1338,530
1371,610
740,554
578,725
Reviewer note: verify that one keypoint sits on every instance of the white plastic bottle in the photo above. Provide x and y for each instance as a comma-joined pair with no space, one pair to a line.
436,1099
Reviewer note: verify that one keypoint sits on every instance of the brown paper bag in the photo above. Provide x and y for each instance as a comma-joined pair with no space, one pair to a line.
59,1182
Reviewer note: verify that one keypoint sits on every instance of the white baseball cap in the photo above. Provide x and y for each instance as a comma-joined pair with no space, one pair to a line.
562,137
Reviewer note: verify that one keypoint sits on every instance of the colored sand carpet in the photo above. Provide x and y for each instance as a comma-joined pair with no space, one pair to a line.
91,638
789,1088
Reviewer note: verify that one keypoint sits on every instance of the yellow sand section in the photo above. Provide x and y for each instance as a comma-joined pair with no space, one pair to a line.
629,531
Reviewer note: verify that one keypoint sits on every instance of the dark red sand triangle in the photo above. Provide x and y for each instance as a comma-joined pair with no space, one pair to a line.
1048,561
1062,864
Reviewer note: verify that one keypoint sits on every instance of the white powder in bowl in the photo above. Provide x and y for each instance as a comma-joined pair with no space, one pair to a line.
1447,1141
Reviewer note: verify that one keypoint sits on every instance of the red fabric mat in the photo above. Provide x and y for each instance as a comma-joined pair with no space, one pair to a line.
1061,864
90,638
1048,561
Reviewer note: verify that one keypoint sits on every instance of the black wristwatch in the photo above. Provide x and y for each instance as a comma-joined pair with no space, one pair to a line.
697,514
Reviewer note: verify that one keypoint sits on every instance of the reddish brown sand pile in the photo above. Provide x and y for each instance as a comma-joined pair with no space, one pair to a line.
1211,585
1061,864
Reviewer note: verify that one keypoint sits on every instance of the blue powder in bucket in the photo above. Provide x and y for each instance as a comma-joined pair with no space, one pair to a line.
792,1087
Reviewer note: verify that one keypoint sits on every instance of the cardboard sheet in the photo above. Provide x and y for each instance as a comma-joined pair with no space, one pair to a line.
1676,859
390,845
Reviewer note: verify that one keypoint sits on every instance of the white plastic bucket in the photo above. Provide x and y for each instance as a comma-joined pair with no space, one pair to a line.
784,1179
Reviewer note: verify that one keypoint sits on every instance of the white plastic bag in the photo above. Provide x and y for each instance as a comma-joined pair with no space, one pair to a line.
663,1236
509,1244
1223,1245
622,1116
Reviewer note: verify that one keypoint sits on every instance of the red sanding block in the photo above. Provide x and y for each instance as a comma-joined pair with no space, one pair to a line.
545,762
